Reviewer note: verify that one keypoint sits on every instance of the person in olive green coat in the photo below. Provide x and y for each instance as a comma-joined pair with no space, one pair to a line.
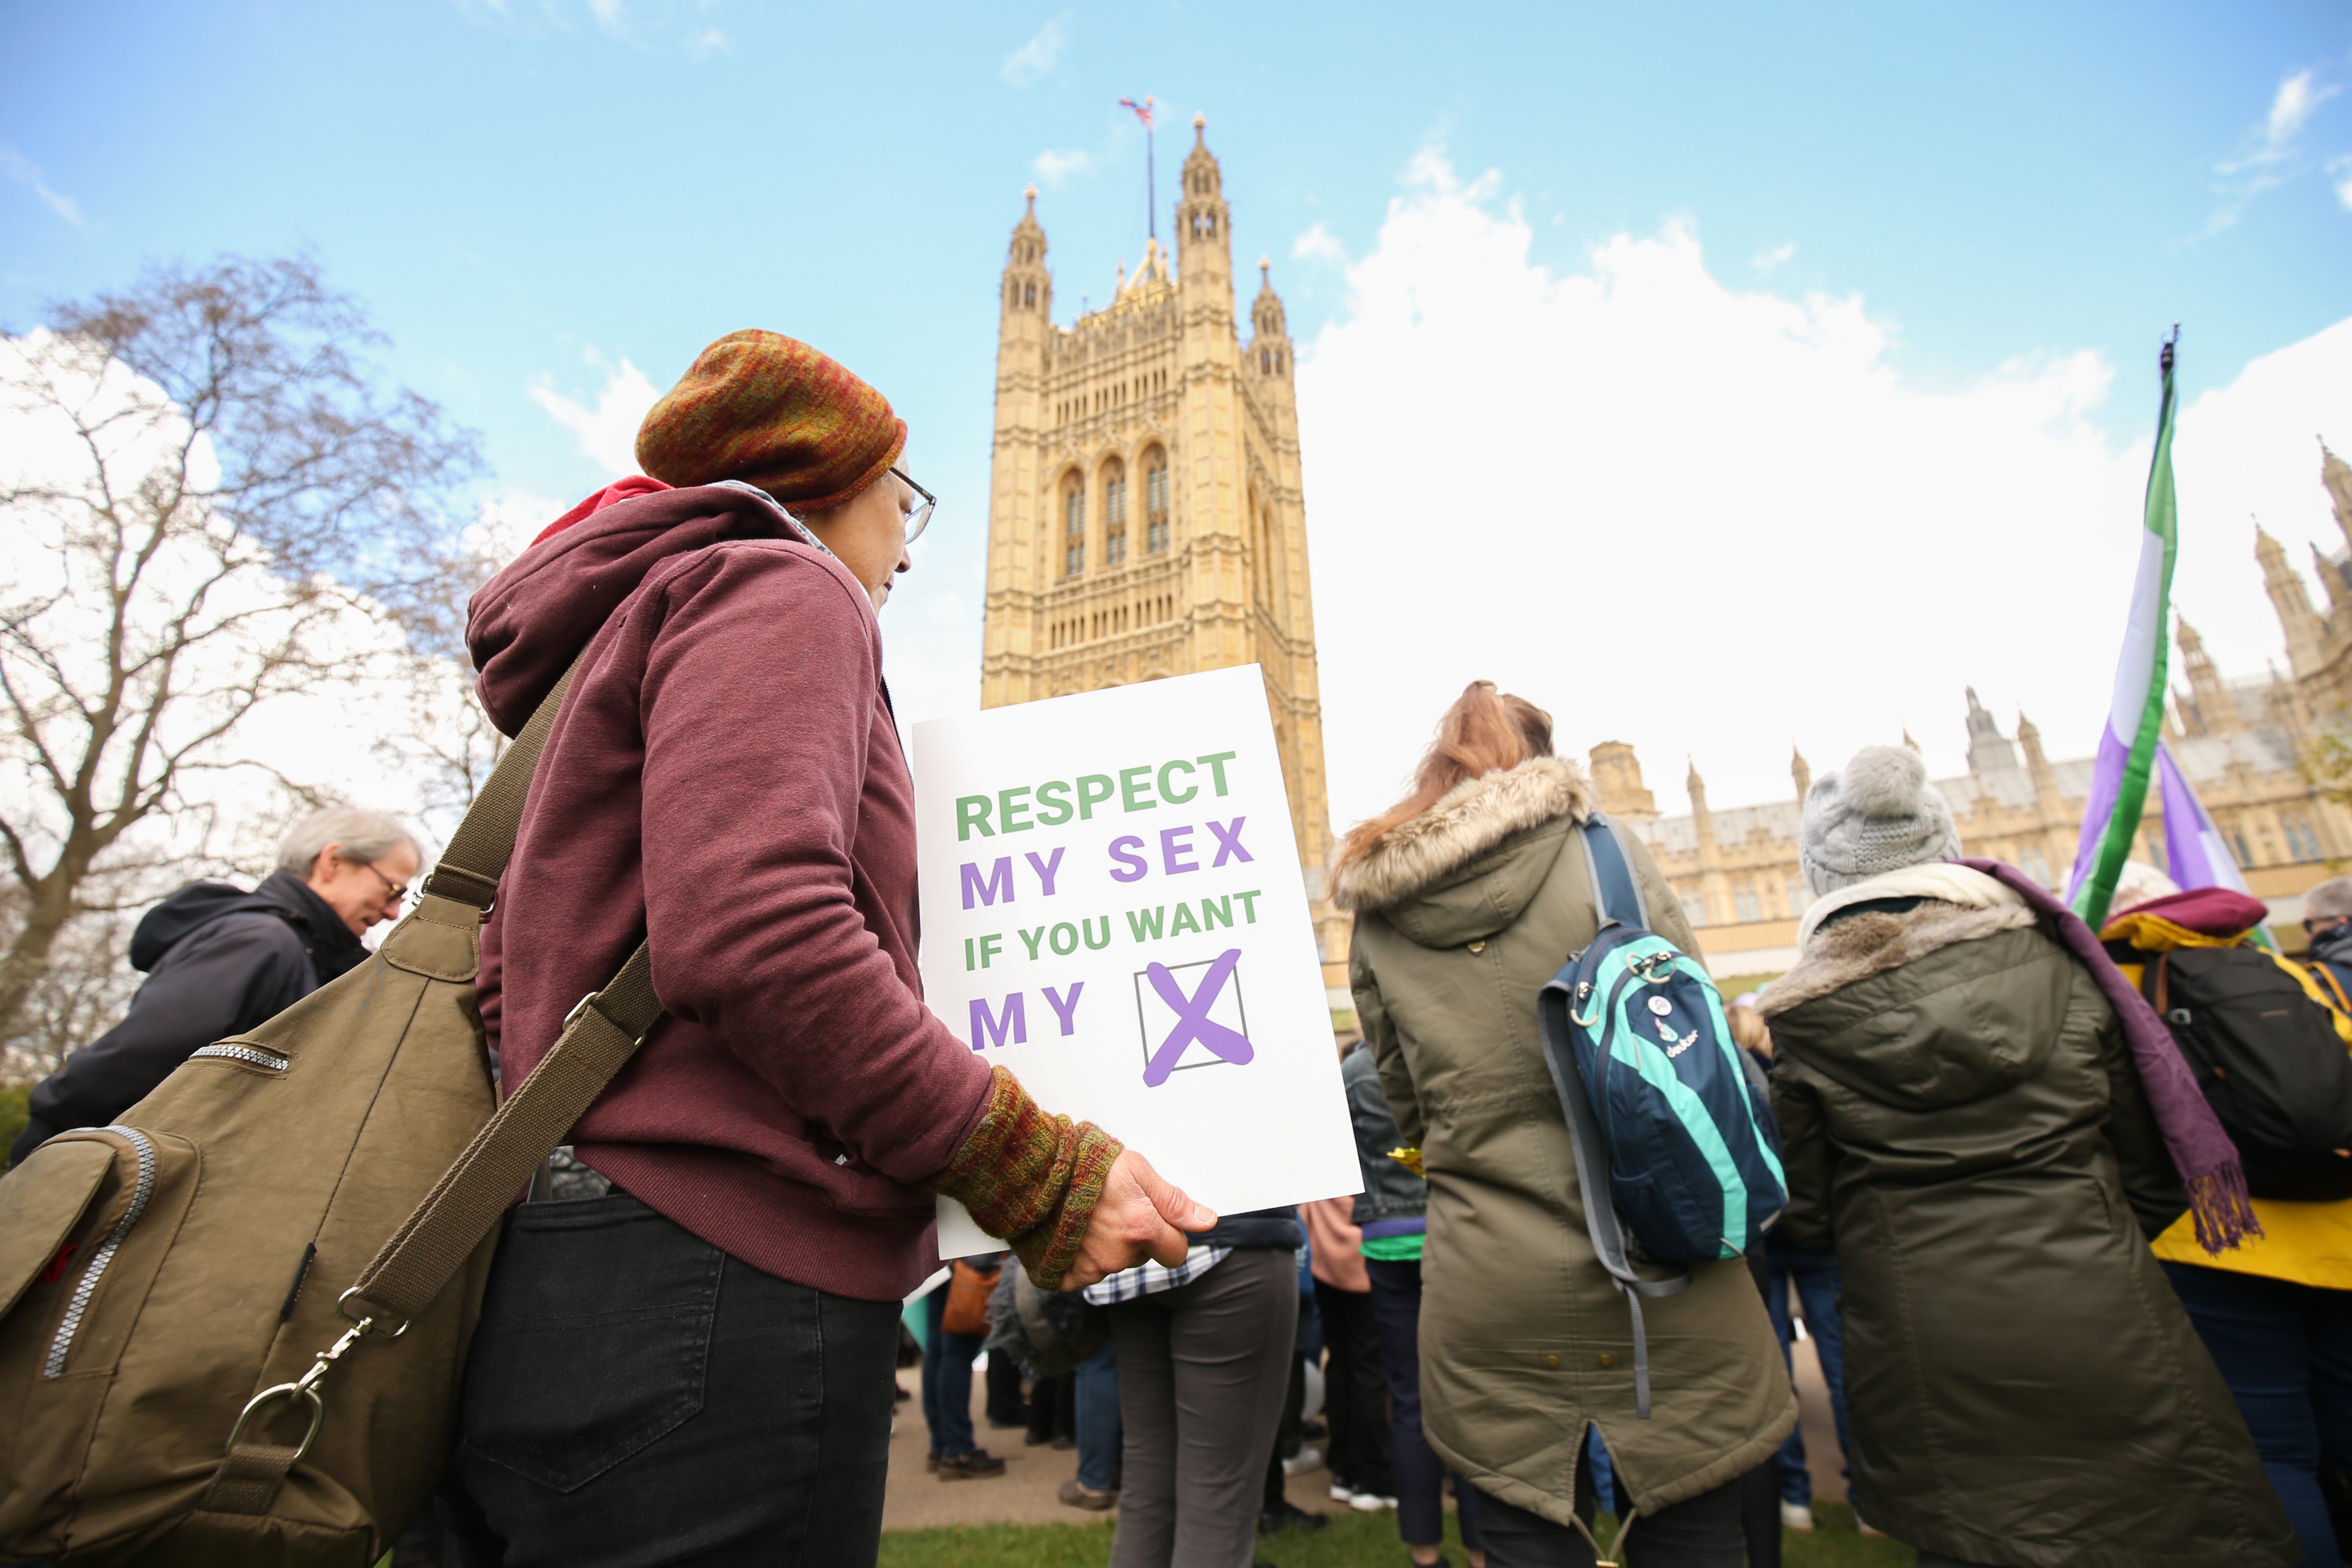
1961,1120
1468,897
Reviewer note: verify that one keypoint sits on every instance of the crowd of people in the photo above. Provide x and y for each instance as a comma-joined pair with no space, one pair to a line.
2066,1316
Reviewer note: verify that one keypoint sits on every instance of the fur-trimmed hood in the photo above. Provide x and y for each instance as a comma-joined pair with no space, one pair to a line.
1467,820
1932,1006
1874,942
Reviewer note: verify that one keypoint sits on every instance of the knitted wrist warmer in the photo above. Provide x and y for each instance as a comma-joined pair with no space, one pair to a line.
1030,1178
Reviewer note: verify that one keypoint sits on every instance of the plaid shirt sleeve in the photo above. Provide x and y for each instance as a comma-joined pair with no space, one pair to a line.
1149,1278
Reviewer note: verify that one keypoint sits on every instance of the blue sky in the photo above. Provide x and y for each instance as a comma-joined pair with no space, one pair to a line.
529,193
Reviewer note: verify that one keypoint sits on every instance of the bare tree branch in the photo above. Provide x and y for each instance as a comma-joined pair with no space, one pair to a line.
226,507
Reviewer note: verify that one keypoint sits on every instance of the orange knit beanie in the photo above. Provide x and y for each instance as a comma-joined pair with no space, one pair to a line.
773,412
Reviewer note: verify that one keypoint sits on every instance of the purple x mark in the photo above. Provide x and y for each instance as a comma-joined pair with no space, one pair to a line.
1193,1020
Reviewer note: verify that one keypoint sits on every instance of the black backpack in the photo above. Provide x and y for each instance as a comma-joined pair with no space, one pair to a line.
2270,1062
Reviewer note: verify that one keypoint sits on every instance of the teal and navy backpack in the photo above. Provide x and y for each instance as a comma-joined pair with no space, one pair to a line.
1675,1139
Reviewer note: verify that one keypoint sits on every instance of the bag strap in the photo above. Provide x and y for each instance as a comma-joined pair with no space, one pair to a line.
435,1240
477,852
2318,968
1616,892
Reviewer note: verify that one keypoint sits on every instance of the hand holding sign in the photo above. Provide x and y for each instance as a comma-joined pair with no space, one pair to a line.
1138,1215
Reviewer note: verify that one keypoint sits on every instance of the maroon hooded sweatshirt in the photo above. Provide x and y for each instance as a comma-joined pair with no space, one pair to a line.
725,779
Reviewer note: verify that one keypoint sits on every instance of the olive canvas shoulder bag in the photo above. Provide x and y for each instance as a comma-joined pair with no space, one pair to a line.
232,1325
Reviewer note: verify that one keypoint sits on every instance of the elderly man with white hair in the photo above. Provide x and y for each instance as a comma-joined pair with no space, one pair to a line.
2328,921
220,960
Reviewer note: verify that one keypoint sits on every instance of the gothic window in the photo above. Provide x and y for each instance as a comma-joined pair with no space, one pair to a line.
1155,502
1694,909
1029,296
2036,865
1800,895
2302,843
1073,527
1114,513
2245,856
1746,905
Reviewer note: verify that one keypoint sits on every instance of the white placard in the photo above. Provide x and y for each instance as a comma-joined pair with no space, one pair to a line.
1113,908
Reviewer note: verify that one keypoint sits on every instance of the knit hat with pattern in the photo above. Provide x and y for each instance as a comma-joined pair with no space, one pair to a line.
1878,814
773,412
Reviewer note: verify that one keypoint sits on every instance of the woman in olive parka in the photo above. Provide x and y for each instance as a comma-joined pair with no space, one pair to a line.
1468,896
1962,1120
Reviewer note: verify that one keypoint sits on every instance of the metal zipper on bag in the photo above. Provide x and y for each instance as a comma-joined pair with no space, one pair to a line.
245,1054
88,1287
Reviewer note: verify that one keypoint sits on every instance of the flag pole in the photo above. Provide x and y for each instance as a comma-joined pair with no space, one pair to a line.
1151,172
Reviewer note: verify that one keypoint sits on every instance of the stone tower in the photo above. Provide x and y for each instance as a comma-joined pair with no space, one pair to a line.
2305,632
1146,515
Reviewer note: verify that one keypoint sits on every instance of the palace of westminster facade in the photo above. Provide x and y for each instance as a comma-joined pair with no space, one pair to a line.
1147,518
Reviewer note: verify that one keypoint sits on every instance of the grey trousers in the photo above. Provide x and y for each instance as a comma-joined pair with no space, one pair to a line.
1201,1374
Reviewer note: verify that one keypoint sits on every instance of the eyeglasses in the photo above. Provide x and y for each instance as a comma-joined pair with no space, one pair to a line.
394,892
920,517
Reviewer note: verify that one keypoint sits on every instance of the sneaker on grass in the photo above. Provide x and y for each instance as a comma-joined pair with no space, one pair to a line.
1797,1516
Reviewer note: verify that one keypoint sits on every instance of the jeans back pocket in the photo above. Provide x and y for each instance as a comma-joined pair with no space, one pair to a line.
595,1339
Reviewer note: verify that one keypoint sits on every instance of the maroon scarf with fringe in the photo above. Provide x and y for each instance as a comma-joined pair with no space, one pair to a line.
2207,1160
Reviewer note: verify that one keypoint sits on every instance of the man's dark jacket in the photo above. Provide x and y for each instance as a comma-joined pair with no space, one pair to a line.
2332,950
219,960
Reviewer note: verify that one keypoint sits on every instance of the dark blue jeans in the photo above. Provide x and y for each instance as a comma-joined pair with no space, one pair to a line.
2285,1351
1815,1277
1419,1475
946,1379
1099,1433
635,1398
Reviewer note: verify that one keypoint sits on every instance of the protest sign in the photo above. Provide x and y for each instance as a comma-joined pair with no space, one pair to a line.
1113,908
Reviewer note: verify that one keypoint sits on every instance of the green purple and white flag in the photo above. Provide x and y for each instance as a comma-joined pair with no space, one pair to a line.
2132,747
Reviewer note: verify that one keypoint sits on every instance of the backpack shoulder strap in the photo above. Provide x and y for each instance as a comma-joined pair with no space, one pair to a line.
1616,893
2319,969
598,1038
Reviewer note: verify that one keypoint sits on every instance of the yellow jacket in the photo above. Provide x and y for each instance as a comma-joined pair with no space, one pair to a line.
2310,1244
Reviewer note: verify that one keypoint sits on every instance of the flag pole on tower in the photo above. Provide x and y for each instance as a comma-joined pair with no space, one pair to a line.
1151,192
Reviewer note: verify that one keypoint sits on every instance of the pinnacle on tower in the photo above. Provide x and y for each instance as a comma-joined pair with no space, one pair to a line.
1801,771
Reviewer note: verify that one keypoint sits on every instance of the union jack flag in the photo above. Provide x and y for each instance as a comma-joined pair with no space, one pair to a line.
1142,111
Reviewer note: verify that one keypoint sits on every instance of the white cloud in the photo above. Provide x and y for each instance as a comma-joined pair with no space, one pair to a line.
1765,261
2272,160
1709,521
2291,108
2339,170
607,433
1034,61
1318,244
1053,167
2247,452
25,172
709,41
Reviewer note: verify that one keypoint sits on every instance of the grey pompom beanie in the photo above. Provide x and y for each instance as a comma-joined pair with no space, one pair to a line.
1878,814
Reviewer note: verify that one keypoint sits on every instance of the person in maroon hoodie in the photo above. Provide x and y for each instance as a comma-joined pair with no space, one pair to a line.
696,1366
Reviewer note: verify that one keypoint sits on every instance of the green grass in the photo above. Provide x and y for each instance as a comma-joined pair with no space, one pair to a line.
1353,1541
